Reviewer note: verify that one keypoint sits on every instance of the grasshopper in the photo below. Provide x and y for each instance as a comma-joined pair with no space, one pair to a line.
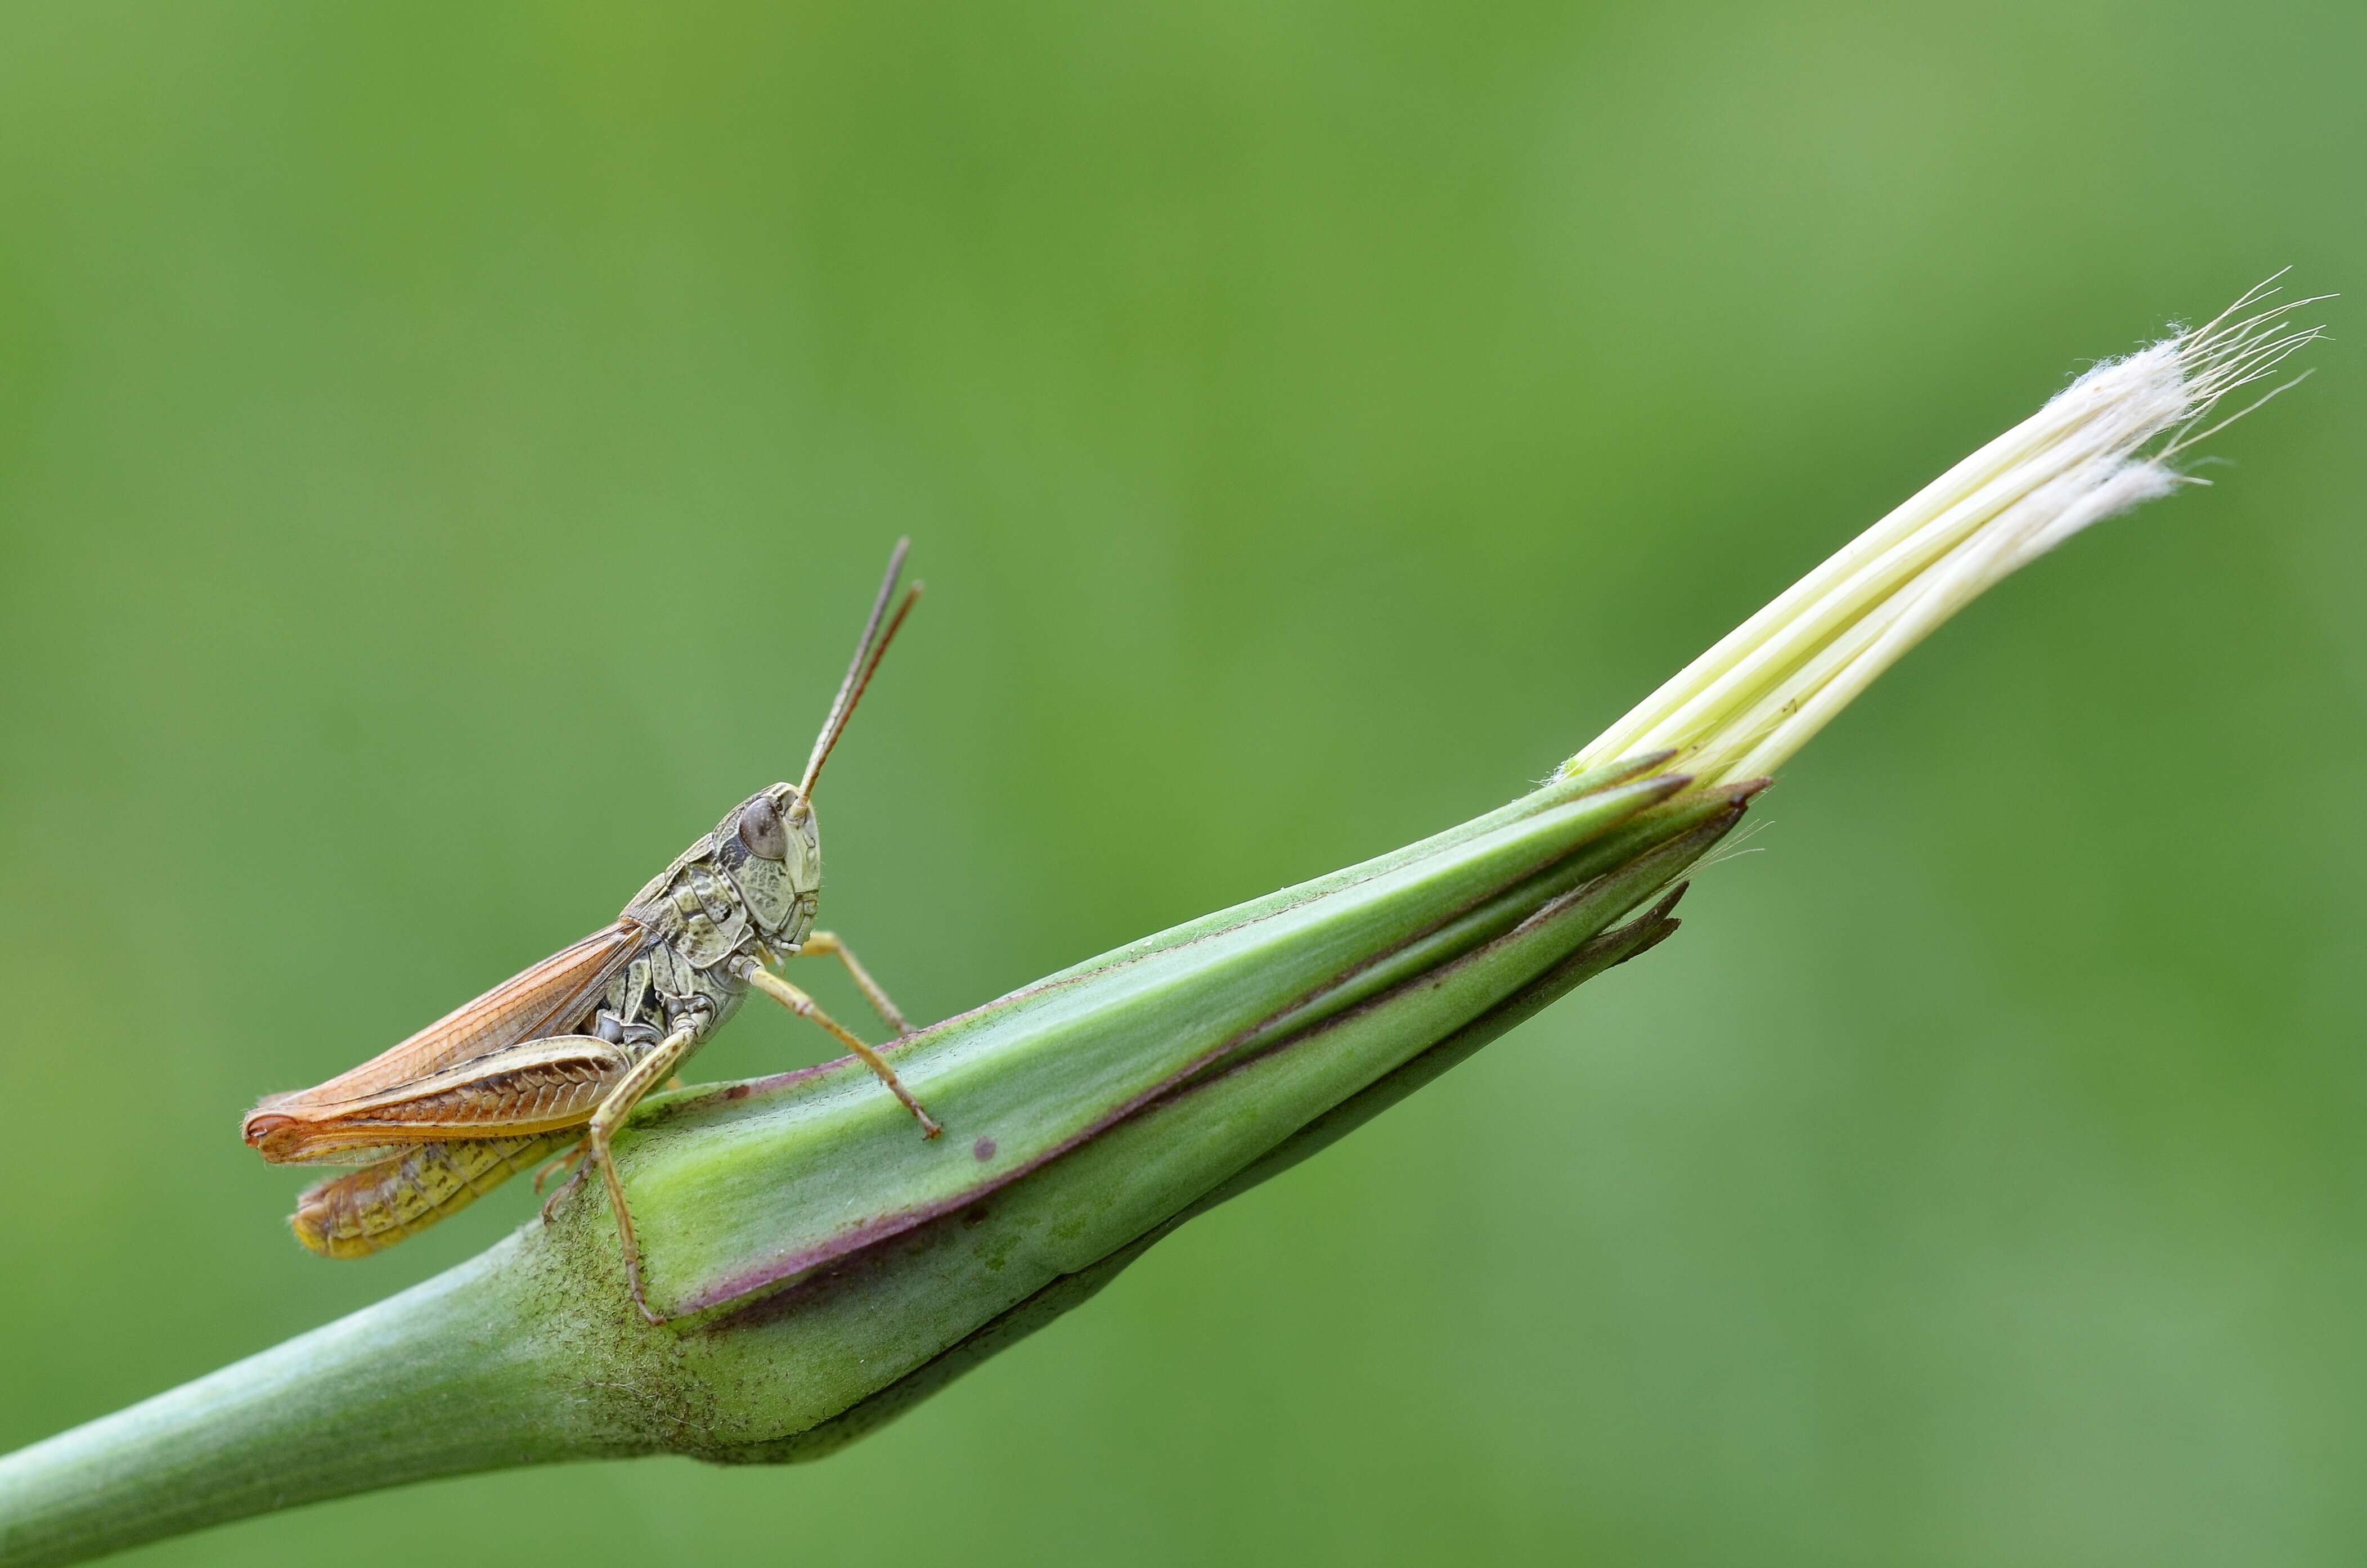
563,1050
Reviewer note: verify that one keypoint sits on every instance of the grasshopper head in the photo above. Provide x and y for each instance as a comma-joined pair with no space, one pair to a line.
772,847
779,824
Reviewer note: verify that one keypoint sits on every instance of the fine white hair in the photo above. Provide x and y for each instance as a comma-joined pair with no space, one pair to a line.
2102,446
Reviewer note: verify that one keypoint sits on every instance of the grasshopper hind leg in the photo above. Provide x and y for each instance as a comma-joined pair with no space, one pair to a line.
369,1210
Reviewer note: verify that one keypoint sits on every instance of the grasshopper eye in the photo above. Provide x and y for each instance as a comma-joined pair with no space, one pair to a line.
761,831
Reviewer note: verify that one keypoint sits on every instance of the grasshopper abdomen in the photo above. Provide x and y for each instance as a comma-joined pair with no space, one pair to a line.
367,1210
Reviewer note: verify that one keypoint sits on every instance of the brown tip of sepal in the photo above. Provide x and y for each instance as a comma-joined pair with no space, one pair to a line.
1668,903
1656,924
1645,932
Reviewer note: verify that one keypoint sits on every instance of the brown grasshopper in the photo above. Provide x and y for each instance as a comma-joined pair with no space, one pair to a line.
562,1052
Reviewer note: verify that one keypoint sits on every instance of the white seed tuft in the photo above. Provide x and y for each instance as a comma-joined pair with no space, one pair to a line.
2098,449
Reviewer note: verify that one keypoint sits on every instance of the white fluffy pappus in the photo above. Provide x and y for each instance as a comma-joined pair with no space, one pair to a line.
2098,449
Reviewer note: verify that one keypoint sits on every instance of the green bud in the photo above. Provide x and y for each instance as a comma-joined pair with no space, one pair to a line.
824,1268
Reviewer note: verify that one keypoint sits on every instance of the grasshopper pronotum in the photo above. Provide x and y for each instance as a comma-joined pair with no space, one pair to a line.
563,1050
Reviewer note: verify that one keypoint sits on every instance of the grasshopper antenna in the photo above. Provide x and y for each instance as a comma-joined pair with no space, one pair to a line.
868,651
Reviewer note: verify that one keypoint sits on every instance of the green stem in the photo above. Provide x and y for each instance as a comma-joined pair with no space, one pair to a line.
446,1377
1122,1099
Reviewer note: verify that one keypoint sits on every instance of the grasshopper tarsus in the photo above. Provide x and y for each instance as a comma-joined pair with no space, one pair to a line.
559,1193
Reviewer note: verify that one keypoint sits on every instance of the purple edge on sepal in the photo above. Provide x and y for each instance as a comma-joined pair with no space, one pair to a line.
777,1273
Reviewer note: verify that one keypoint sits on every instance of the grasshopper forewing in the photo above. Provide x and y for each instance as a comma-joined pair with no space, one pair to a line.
365,1107
560,1053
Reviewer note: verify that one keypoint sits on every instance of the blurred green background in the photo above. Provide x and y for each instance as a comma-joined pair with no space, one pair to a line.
445,451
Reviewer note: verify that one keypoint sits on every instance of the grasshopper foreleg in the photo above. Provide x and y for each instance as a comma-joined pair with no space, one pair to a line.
798,1002
826,944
